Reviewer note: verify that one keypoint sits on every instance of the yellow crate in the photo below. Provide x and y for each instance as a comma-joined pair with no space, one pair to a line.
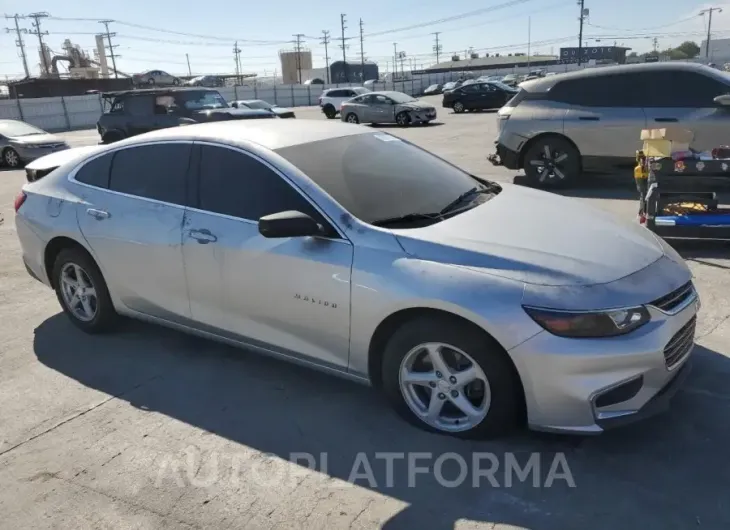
663,148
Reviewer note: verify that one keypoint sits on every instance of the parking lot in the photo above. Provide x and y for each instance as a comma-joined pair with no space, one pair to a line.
149,428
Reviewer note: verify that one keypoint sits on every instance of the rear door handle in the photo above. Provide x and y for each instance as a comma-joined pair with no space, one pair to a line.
666,120
203,236
98,214
589,118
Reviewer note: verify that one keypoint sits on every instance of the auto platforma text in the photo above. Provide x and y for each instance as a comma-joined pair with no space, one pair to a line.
193,468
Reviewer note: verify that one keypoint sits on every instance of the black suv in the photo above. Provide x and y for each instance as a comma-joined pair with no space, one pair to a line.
133,112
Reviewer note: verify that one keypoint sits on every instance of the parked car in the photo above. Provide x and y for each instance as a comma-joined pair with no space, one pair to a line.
478,96
451,85
559,126
155,78
332,99
472,306
134,112
40,167
433,90
261,104
209,81
511,80
387,107
21,142
495,78
469,82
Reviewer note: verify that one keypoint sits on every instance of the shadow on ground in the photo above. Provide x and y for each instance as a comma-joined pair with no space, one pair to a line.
670,472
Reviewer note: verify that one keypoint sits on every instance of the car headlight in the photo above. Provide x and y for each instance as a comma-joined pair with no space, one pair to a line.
583,324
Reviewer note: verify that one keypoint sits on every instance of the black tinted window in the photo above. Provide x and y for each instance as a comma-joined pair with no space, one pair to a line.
139,105
96,172
335,94
681,89
152,171
599,91
232,183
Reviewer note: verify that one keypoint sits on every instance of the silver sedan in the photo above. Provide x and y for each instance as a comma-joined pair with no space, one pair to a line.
21,142
472,306
387,107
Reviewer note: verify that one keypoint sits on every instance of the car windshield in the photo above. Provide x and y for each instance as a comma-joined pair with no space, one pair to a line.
432,87
194,100
509,77
377,176
14,128
400,97
258,104
502,86
449,85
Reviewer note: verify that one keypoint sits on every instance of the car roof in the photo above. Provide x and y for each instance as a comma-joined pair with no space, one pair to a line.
546,83
147,91
270,134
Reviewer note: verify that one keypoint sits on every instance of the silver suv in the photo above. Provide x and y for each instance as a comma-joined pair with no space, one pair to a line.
559,126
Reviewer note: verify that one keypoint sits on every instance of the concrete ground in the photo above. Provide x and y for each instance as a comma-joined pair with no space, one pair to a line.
148,428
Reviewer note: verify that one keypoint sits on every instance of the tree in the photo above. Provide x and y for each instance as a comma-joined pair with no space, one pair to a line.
689,49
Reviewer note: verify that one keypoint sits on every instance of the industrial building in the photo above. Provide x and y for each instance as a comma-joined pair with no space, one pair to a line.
719,49
488,62
293,64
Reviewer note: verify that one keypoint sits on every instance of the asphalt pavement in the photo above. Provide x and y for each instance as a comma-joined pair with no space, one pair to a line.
149,428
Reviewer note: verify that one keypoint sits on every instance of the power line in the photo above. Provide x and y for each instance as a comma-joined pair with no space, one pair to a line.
326,40
709,27
19,42
109,46
646,28
437,47
37,31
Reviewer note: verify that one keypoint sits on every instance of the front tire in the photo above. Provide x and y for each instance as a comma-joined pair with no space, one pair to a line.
447,377
151,82
403,119
459,107
552,162
11,158
82,291
352,118
330,112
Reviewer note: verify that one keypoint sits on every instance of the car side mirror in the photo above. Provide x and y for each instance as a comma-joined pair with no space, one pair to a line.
723,100
234,105
289,224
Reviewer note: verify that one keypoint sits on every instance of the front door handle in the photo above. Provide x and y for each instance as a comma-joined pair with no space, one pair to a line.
203,236
666,120
99,215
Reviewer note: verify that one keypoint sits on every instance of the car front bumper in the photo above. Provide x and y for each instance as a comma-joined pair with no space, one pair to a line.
423,116
588,385
503,156
29,153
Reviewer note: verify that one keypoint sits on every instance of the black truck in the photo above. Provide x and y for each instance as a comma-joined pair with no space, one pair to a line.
133,112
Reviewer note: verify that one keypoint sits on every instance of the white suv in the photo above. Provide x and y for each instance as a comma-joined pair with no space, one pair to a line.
332,99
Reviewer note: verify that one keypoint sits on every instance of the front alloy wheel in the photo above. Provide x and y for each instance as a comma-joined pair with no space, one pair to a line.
403,119
11,158
552,163
458,107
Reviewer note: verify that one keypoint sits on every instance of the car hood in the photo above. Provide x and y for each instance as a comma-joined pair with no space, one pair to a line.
59,158
420,105
537,238
38,139
280,110
215,114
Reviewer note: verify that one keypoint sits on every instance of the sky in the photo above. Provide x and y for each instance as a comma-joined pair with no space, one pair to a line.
164,34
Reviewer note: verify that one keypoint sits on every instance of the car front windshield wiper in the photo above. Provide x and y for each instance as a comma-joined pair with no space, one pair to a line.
407,218
477,190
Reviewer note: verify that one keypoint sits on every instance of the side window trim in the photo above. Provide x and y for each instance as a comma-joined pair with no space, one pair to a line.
72,175
277,171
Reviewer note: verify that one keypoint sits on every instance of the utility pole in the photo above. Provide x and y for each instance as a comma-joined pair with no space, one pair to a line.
529,40
326,40
343,19
187,58
581,3
109,45
37,31
709,11
437,47
19,42
362,54
298,42
395,60
237,59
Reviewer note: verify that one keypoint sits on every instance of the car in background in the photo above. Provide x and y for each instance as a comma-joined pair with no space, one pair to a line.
332,99
387,107
478,96
155,78
550,74
433,90
133,112
469,82
559,126
40,167
21,143
451,85
261,104
473,307
511,80
209,81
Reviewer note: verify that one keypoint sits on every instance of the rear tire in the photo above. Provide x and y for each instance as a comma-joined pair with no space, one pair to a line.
330,112
552,162
111,137
151,82
503,390
459,107
92,313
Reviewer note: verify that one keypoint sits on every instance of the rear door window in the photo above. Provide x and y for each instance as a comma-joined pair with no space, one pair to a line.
681,89
619,90
96,171
139,105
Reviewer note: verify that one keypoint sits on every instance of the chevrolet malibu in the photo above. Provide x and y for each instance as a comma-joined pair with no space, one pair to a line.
472,306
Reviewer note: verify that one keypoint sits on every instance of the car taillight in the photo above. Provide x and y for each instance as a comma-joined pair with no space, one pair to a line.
19,200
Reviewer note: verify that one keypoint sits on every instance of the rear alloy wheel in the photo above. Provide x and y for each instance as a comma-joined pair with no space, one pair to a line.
11,158
150,81
403,119
352,118
176,82
458,107
552,162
